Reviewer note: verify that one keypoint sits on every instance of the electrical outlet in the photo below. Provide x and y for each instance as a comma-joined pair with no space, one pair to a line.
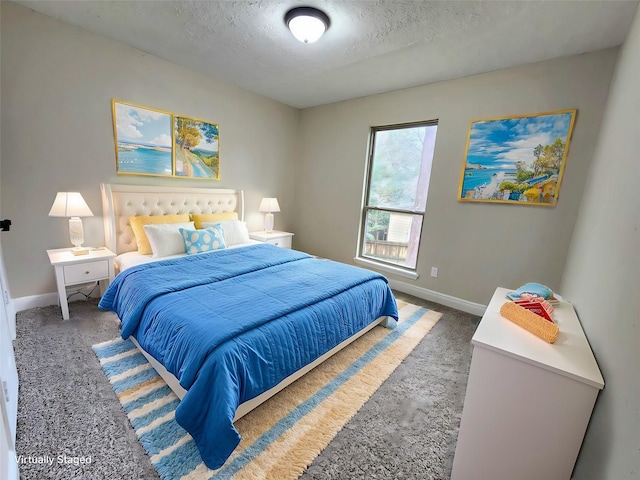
434,272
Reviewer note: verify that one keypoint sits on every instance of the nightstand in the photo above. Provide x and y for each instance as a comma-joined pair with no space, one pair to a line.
279,239
96,266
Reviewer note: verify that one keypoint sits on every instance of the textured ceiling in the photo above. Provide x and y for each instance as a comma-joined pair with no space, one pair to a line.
372,46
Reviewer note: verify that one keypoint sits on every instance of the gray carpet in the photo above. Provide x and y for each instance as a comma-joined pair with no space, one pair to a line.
67,410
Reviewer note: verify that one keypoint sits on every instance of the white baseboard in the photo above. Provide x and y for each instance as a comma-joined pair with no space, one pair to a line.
46,299
33,301
442,298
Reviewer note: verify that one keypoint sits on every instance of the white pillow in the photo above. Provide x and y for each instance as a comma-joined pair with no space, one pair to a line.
165,238
235,232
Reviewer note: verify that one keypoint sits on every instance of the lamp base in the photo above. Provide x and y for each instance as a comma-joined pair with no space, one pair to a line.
76,233
268,222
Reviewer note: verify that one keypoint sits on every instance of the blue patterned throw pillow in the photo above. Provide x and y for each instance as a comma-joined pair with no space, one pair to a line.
200,241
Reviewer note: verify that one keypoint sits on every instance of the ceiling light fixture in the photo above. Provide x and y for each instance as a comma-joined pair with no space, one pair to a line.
307,23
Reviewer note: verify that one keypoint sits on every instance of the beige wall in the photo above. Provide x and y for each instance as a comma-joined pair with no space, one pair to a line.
477,246
602,276
57,85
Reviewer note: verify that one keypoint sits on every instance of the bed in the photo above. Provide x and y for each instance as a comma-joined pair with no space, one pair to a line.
230,328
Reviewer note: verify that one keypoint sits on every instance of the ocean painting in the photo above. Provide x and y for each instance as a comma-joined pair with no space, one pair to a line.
143,140
517,159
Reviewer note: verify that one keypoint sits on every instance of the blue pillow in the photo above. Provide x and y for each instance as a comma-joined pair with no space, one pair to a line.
200,241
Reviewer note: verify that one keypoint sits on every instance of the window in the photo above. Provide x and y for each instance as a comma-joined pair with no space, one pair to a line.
395,199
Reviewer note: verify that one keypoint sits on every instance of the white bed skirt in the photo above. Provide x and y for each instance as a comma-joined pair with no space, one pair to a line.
249,405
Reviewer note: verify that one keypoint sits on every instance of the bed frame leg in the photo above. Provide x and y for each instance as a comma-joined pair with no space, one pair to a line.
389,322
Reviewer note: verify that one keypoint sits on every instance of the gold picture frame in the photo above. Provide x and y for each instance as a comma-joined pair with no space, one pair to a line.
516,159
144,144
195,148
153,142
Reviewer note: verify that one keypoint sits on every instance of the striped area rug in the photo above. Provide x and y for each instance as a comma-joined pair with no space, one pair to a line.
282,436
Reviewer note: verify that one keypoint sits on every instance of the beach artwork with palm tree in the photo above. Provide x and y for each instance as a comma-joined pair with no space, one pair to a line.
517,159
196,148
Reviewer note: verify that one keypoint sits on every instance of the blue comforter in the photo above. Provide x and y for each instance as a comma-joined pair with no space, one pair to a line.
232,324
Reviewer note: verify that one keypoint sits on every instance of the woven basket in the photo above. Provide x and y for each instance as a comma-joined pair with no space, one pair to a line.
534,323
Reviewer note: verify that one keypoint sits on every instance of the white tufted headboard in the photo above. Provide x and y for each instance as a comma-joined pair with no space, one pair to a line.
119,202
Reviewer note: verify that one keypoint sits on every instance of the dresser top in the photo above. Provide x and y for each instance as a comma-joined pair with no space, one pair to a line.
570,355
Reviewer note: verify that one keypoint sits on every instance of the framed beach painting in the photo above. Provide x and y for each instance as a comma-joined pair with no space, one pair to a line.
518,160
196,152
143,140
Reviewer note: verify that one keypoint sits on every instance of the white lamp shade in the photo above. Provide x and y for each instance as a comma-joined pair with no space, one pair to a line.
307,29
69,204
269,205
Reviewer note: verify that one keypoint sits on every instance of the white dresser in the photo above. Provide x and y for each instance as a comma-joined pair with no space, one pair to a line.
528,402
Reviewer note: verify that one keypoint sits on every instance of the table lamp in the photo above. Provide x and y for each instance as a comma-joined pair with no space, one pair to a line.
72,205
268,206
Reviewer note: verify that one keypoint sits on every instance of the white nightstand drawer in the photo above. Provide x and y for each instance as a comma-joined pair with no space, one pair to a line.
86,272
283,242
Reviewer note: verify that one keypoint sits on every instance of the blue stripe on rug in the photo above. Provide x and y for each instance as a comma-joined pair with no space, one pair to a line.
230,469
162,436
180,462
117,367
152,396
128,383
159,412
112,349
